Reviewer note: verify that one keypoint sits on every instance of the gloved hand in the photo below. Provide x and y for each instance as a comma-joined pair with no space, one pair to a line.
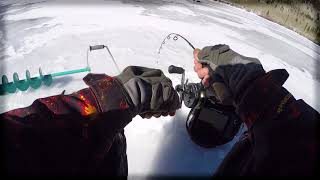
225,70
149,92
242,81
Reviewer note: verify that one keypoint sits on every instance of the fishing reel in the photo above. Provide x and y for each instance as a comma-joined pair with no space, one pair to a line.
209,122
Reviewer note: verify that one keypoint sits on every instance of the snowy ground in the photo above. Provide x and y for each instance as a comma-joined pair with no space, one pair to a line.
55,35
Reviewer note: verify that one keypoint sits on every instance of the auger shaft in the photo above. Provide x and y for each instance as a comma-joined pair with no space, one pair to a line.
87,69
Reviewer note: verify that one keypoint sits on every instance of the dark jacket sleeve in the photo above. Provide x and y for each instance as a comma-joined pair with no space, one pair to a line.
283,130
65,134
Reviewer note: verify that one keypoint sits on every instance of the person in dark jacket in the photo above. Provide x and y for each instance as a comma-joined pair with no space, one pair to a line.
82,133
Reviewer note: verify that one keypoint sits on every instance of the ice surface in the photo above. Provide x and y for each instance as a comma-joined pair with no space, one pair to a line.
55,35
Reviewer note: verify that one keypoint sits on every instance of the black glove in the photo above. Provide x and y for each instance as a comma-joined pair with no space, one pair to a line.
229,71
148,91
254,92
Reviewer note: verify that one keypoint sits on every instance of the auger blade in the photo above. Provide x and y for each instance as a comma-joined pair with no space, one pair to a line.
34,82
9,87
22,85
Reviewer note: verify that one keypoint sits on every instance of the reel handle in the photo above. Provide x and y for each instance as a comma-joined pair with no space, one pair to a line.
176,70
96,47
